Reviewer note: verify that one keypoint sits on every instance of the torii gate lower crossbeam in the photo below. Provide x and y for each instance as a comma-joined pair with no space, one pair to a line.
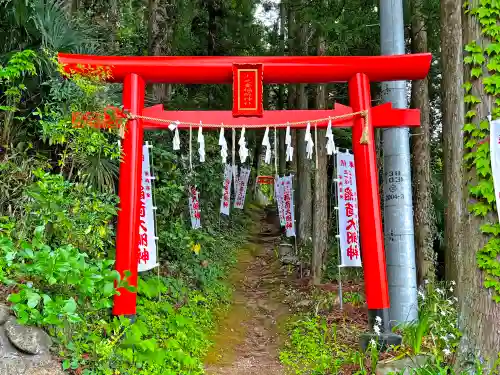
134,72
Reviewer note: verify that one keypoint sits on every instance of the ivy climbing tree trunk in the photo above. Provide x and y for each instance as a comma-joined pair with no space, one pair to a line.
303,164
453,120
421,156
320,212
478,261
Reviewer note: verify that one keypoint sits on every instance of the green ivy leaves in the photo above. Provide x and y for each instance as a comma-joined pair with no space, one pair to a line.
476,135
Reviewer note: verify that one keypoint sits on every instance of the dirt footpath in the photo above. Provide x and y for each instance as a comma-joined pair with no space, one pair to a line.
247,342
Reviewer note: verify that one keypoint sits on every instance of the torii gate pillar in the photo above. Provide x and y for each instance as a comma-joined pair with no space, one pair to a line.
370,217
129,191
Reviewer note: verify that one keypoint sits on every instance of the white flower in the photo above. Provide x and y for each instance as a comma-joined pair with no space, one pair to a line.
453,283
439,291
456,299
378,320
376,329
446,352
426,281
373,343
451,336
451,289
443,313
421,295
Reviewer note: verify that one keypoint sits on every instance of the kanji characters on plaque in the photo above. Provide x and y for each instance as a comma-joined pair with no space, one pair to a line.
248,86
225,201
241,191
194,207
348,211
146,256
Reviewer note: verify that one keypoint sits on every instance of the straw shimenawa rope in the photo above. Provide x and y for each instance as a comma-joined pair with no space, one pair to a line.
364,115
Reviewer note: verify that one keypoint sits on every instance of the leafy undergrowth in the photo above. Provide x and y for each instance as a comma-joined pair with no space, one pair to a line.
69,293
325,340
57,240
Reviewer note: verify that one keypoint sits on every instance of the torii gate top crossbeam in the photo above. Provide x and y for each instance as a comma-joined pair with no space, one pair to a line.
276,69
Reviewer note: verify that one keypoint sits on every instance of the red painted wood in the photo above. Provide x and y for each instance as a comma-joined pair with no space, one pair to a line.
226,117
127,232
247,77
265,180
277,69
382,116
370,218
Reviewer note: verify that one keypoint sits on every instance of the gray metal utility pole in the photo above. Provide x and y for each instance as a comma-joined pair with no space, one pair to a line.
398,208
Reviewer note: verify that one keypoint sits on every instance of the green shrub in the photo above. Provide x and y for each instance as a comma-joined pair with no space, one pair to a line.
309,350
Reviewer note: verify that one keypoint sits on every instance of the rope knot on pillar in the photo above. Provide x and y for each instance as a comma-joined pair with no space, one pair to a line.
364,136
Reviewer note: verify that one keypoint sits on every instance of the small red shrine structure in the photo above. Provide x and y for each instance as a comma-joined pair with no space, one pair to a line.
248,75
265,180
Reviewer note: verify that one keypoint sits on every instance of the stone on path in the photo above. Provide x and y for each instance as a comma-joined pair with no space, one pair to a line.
404,364
24,350
31,340
4,313
290,259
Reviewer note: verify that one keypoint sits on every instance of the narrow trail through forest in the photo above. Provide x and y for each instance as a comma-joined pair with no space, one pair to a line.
247,341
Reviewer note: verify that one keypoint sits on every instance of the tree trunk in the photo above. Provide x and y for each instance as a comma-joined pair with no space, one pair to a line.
160,39
303,164
292,89
281,99
453,120
421,157
320,212
479,314
113,20
74,6
256,160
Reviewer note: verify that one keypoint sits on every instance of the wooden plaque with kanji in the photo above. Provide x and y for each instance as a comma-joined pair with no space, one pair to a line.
247,90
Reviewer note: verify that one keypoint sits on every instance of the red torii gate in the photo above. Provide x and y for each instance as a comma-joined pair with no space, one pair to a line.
358,71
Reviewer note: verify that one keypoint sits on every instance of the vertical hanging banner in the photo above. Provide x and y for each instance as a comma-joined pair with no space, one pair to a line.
278,195
225,201
147,238
235,178
288,207
242,182
348,211
194,207
495,159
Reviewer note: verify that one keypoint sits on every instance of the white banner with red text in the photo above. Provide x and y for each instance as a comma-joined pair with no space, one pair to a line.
278,196
225,201
288,205
241,191
194,207
350,255
147,238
